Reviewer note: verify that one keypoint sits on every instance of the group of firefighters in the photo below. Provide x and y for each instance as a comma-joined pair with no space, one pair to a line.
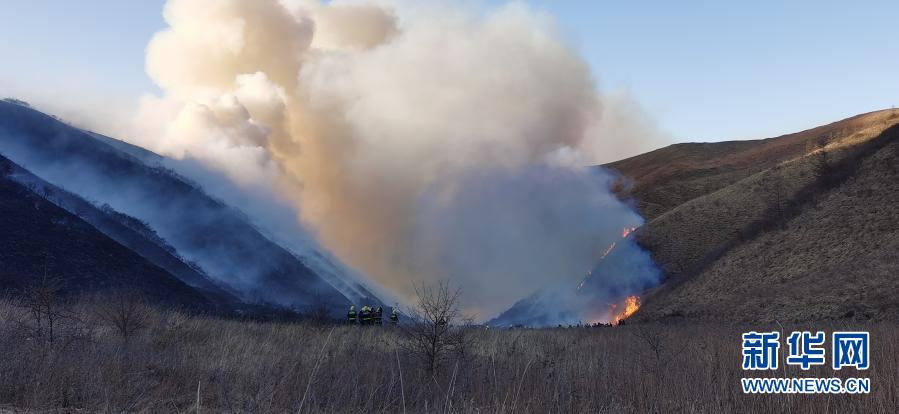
369,316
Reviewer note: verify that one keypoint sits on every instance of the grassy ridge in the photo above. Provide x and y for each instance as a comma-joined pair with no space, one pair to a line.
822,249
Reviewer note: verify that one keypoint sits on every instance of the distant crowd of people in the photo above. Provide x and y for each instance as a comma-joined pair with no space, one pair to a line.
369,316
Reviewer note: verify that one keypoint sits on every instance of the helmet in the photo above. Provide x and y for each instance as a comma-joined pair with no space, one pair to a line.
352,307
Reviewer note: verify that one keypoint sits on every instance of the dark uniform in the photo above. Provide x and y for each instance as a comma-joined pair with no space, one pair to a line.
365,315
378,316
351,315
394,317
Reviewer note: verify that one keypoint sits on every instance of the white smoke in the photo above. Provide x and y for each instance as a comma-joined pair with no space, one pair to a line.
420,140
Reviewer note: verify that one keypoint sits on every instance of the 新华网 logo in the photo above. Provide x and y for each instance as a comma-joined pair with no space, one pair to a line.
761,351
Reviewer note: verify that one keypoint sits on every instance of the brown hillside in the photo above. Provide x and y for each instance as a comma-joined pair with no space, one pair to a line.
779,231
670,176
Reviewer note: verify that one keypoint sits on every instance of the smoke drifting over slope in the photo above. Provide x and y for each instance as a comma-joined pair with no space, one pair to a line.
419,141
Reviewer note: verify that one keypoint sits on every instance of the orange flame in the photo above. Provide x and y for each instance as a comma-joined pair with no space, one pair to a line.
631,303
590,273
631,306
626,231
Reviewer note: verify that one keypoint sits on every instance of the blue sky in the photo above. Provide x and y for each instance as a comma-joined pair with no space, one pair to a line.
704,70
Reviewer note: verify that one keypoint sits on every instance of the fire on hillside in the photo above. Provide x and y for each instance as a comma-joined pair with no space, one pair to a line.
622,310
630,306
625,232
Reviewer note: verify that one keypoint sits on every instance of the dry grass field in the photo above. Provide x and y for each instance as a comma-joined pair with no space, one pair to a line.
187,364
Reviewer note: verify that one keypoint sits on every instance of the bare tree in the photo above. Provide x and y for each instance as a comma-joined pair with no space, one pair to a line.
436,329
659,343
126,311
41,301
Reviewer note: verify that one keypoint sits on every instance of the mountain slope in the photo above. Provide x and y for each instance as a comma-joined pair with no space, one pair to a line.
813,212
125,230
203,230
40,239
670,176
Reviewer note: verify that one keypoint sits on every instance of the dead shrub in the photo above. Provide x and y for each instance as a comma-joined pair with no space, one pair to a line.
436,330
127,312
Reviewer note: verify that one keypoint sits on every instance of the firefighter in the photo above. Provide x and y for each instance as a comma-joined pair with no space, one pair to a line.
378,313
351,315
394,317
365,315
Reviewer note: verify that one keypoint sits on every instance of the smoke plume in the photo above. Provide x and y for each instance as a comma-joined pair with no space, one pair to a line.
420,141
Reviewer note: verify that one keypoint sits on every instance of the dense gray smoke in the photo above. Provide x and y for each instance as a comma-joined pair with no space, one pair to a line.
419,140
